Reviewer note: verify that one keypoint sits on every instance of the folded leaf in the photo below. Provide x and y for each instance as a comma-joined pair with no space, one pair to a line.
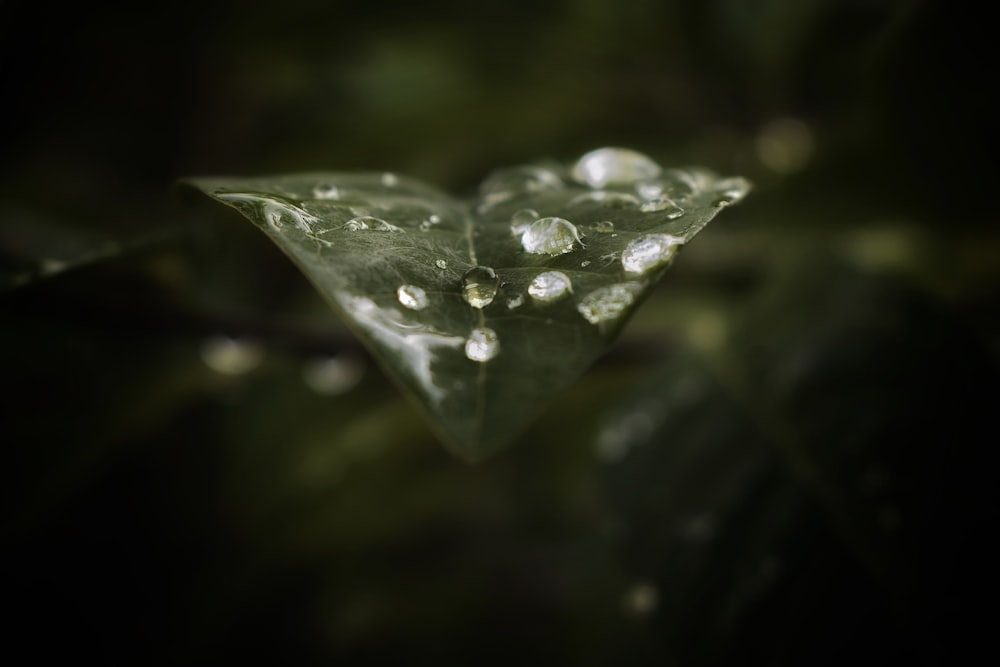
483,310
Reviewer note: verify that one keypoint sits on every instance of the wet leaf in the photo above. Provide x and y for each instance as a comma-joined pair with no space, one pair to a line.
482,310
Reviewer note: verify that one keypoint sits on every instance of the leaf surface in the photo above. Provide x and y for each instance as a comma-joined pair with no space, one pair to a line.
483,309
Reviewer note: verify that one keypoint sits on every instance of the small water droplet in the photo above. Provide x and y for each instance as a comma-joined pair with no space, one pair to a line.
326,191
440,263
664,205
411,296
332,376
649,252
607,303
614,165
370,224
522,219
515,302
390,180
231,356
585,263
479,286
434,218
550,236
730,190
604,227
550,286
482,345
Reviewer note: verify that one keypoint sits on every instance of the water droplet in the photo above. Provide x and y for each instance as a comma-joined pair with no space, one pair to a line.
521,220
649,190
550,286
515,302
275,210
482,344
479,286
370,224
411,296
550,236
649,252
614,165
231,356
332,376
434,218
390,180
505,183
604,227
440,263
663,204
607,303
606,198
585,263
731,190
326,191
641,599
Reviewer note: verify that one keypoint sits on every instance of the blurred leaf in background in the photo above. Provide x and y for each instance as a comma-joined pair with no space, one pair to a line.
786,456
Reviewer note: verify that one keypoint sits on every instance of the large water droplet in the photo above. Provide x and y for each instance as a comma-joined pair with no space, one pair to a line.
479,286
550,236
607,303
606,166
482,345
369,224
649,252
411,296
550,286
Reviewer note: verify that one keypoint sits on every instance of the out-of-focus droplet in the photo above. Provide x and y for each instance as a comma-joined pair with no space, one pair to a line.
332,376
611,166
231,356
785,145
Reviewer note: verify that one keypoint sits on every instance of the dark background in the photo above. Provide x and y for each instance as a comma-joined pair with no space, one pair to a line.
787,459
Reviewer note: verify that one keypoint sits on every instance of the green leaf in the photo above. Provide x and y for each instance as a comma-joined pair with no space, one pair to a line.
484,309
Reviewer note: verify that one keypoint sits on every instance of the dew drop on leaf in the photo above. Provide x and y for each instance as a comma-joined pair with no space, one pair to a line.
549,286
440,263
326,191
550,236
482,345
479,286
370,224
412,297
606,166
608,303
604,227
649,252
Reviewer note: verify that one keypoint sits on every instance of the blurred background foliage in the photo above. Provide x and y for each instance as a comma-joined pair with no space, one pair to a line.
786,459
